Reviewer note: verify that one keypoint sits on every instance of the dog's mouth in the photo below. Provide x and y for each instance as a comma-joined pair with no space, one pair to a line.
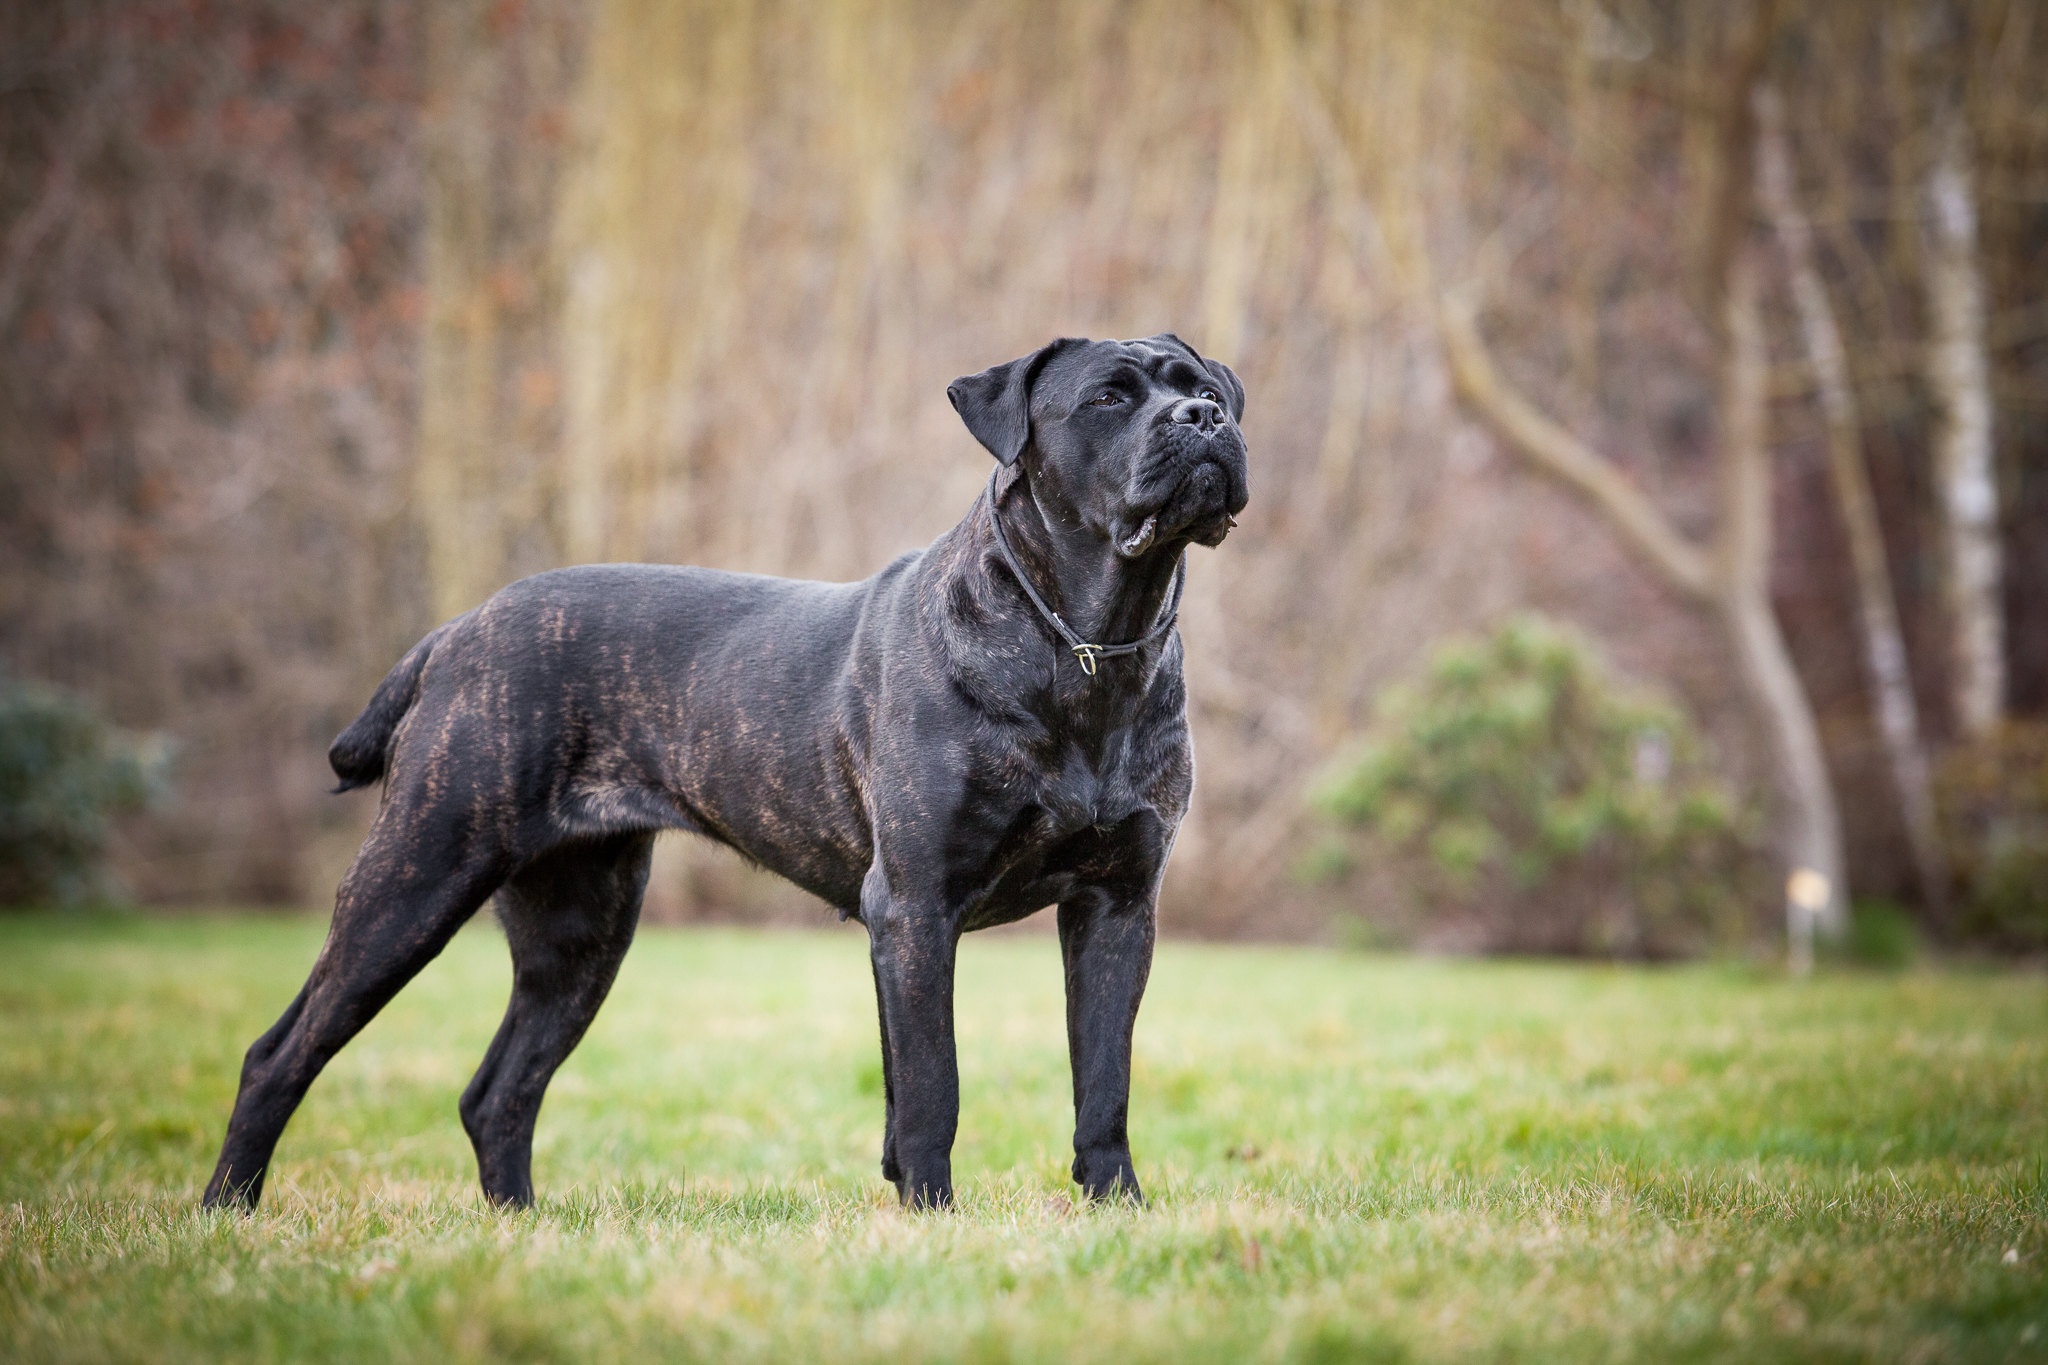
1201,507
1141,539
1211,534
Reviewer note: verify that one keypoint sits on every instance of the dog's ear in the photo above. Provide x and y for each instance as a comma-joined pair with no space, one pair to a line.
996,404
1225,377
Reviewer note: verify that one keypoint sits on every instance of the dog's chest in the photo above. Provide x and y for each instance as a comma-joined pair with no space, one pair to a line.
1071,822
1078,790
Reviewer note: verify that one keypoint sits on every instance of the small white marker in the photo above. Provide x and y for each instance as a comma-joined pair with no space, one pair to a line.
1806,896
1808,890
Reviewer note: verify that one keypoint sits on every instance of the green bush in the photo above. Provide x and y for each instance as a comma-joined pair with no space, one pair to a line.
1530,798
1881,934
64,774
1992,795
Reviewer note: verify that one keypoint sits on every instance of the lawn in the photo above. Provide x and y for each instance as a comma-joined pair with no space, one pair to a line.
1350,1157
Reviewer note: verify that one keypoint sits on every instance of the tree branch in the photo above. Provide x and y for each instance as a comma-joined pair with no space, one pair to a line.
1545,444
1557,453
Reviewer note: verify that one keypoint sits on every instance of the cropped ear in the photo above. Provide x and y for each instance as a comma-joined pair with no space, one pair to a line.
1225,377
996,404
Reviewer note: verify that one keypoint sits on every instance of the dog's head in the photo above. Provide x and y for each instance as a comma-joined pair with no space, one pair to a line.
1138,440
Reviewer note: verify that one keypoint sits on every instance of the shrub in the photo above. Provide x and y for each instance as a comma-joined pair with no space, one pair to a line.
1523,792
1992,795
64,774
1881,934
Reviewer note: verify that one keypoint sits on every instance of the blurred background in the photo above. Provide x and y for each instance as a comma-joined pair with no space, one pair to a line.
1648,405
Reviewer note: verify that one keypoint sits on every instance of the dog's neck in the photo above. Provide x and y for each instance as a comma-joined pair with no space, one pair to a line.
1104,597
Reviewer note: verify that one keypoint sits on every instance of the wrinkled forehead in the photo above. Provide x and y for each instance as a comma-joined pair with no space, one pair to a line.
1163,359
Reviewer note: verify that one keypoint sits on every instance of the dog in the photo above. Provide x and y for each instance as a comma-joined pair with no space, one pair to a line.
986,727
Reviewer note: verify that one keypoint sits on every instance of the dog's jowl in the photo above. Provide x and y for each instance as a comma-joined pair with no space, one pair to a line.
990,726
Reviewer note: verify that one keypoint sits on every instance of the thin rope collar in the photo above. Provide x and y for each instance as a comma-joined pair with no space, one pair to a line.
1085,652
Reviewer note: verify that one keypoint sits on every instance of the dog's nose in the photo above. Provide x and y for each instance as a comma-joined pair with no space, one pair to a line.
1199,413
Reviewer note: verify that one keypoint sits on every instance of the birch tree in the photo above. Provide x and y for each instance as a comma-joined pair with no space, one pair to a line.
1896,711
1959,373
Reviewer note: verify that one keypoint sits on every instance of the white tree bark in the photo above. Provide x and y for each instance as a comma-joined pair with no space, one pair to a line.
1896,711
1959,373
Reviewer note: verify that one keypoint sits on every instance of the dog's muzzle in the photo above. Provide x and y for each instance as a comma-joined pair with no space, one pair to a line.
1196,485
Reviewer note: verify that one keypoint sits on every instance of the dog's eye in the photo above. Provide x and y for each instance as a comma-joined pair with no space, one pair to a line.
1108,398
1211,395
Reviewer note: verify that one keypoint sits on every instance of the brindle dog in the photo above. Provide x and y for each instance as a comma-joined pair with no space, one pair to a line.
937,749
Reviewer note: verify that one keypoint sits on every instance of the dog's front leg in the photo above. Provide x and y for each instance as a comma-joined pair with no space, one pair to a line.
1106,941
913,950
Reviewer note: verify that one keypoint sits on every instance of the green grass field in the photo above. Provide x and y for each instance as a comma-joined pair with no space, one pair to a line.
1350,1157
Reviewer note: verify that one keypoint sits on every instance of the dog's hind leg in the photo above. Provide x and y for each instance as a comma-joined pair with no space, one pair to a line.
569,916
402,899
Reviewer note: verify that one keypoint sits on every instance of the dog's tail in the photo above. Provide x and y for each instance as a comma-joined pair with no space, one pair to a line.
360,753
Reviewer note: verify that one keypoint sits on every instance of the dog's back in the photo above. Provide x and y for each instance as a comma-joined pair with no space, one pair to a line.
616,697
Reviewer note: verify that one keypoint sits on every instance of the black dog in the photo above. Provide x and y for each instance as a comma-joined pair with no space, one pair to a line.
937,749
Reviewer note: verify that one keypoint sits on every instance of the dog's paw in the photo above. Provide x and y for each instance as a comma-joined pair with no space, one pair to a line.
1109,1179
925,1195
225,1192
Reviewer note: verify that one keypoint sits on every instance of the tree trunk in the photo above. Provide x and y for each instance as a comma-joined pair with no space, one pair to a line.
1813,839
1897,712
649,232
1958,371
459,355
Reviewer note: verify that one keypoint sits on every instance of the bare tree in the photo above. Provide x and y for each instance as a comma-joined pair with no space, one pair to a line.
1729,576
1959,372
1897,713
459,352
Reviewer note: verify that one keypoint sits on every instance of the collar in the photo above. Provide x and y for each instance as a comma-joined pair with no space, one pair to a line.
1084,651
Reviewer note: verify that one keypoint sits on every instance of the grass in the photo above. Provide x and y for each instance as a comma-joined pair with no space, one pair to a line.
1351,1157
